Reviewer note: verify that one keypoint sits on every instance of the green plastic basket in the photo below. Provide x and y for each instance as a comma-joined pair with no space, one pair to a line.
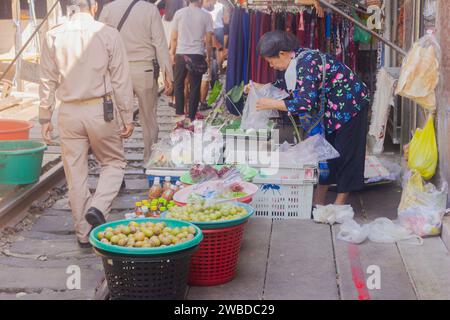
145,251
20,161
223,224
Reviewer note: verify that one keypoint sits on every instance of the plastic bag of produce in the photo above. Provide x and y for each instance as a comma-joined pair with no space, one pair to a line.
423,152
422,206
161,156
229,187
254,119
420,73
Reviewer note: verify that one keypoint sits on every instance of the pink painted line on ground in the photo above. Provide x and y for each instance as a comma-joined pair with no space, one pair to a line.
358,275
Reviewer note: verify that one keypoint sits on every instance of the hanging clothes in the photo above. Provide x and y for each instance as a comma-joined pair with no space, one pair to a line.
330,34
246,49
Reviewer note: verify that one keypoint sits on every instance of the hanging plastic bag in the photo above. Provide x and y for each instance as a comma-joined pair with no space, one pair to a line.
360,35
383,230
423,152
419,74
352,232
254,119
422,206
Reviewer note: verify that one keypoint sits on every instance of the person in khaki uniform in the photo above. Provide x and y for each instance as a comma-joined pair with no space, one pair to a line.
83,61
145,41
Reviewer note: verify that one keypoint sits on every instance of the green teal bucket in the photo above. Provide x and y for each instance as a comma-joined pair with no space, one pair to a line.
20,161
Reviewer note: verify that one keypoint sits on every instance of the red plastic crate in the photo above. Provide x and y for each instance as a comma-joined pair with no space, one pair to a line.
215,262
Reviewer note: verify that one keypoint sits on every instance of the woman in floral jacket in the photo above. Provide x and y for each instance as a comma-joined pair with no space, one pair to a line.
329,99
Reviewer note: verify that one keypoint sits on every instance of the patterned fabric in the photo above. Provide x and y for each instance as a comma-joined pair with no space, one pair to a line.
345,94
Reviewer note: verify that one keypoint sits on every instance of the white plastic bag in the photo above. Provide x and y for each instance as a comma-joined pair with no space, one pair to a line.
332,214
383,230
254,119
352,232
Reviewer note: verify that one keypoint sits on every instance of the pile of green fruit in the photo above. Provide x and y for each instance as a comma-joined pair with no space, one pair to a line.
146,235
205,213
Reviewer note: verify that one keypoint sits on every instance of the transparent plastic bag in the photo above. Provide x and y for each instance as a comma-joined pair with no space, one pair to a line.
161,155
254,119
310,151
423,151
220,190
202,173
382,230
422,206
420,73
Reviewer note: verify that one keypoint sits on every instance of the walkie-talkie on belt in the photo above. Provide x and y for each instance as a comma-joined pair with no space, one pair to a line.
108,106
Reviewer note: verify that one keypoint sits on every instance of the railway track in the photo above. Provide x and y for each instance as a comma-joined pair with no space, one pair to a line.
36,228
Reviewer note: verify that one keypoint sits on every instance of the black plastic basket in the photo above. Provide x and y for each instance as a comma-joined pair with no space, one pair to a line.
150,277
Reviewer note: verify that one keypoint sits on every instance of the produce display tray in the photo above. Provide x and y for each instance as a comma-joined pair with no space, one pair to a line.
145,251
223,224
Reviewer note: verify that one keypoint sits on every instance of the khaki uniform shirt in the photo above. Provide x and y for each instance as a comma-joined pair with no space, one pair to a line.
142,32
83,59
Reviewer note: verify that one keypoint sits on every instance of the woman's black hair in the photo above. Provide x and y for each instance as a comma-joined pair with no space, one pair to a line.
273,42
172,6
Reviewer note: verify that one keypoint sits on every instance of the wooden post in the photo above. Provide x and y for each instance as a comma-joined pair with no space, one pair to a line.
443,93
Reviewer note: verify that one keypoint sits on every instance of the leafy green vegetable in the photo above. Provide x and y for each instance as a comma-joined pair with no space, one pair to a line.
236,93
215,92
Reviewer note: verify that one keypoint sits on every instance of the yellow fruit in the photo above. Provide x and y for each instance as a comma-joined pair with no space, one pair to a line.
100,235
155,241
191,230
115,239
139,236
109,235
148,232
139,244
122,242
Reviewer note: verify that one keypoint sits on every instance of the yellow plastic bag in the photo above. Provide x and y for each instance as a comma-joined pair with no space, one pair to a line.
423,152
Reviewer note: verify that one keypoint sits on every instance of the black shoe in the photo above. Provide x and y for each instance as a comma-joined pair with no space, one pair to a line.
84,245
95,217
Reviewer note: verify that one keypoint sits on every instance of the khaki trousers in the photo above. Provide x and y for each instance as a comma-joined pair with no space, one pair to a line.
81,126
145,88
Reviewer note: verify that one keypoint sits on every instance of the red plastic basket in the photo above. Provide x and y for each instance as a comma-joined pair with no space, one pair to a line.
215,262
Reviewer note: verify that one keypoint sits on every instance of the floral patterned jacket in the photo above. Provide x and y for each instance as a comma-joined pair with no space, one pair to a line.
345,94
